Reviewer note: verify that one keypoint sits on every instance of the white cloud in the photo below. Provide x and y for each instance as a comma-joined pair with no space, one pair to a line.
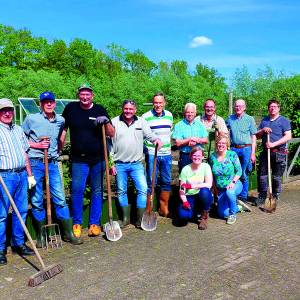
199,41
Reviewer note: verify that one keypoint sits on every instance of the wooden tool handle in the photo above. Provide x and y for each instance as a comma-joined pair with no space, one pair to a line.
12,202
48,199
110,214
269,165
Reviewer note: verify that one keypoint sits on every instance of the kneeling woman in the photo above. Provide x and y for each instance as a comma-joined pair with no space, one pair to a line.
195,183
226,169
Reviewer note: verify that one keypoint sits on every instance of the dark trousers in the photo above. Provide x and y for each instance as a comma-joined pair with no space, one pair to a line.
278,163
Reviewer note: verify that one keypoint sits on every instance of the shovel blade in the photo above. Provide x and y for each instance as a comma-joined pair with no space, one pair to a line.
269,205
113,231
149,221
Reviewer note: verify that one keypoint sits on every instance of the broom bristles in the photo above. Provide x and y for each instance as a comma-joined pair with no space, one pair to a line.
44,275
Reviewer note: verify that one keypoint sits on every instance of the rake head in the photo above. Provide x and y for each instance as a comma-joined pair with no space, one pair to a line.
52,237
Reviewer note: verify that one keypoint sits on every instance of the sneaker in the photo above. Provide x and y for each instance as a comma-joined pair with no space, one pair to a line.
244,206
77,230
231,219
94,230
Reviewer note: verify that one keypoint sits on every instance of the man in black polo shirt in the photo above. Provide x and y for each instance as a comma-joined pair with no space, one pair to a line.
83,119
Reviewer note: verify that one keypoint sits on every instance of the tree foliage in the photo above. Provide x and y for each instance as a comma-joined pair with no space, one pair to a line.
29,65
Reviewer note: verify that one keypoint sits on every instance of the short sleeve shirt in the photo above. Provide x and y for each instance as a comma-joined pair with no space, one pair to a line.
85,135
184,129
279,126
241,129
188,175
224,171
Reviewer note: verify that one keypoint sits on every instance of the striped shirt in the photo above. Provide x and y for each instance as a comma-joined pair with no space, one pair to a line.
13,146
184,129
161,126
241,129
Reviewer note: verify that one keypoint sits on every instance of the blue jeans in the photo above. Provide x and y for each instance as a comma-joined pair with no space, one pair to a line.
244,155
137,173
56,191
80,173
201,201
227,200
17,186
164,167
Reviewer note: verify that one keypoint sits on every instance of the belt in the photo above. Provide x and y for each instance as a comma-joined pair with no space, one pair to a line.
42,159
184,153
241,145
125,162
280,151
15,170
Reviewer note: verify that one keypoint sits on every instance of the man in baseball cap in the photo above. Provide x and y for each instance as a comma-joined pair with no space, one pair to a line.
85,119
17,176
43,131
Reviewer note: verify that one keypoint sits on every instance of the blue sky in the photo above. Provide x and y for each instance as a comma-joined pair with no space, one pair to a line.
223,34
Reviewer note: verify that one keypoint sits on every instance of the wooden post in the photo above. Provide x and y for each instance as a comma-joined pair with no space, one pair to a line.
230,103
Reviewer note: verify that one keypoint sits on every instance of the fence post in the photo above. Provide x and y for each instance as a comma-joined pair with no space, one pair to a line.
230,103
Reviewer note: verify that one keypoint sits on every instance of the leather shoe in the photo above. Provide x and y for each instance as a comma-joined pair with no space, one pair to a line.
3,260
22,250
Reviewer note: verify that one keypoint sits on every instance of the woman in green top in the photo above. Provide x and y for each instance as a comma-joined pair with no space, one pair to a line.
226,169
195,183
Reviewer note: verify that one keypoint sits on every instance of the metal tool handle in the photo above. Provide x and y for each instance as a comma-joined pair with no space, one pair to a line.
269,165
12,202
110,214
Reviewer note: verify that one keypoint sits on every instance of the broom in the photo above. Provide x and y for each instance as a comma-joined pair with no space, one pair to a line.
46,272
270,202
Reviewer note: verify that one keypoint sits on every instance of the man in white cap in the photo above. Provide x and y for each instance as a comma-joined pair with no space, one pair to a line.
16,173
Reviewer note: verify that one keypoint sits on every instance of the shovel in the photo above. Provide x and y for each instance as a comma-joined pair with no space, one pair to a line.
149,220
50,231
112,228
45,272
270,202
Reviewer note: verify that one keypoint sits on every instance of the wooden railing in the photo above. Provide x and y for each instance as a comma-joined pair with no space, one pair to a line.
289,168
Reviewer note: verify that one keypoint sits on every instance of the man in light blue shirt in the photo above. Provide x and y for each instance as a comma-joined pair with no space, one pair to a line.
243,141
189,133
47,124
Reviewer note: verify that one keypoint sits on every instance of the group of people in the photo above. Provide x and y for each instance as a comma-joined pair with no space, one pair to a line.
208,164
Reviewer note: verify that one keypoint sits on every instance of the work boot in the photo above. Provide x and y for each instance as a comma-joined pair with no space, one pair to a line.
139,216
203,220
22,250
126,216
94,230
260,201
40,237
164,203
68,235
3,260
276,196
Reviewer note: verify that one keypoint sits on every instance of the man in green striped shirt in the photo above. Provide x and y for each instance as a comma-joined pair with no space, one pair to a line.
160,122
